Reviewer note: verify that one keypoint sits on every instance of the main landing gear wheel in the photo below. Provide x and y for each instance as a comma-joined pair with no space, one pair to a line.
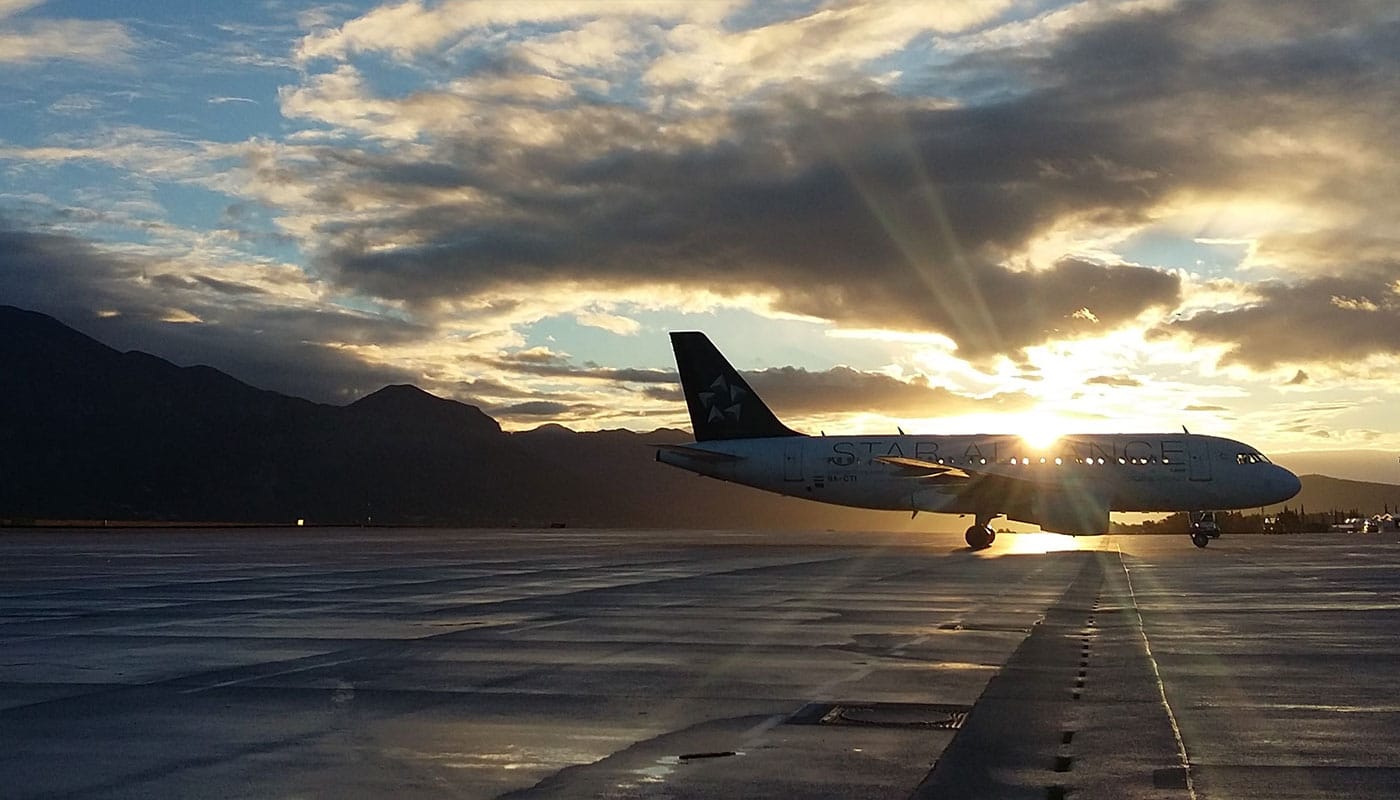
980,537
1200,539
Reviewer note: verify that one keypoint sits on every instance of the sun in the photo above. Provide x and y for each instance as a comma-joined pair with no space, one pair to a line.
1041,429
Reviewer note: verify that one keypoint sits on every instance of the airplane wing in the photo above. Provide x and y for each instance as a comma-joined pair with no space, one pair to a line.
918,468
1078,509
947,473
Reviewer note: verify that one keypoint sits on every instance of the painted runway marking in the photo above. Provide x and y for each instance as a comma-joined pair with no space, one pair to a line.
1157,676
291,671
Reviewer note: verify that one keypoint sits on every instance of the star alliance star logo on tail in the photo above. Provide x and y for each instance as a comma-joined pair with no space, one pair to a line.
722,400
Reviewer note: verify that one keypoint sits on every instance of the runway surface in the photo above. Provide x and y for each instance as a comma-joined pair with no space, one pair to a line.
646,664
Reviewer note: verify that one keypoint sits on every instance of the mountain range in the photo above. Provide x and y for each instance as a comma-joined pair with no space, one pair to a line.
91,433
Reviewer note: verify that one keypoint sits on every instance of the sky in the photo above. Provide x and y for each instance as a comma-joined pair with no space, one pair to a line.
993,215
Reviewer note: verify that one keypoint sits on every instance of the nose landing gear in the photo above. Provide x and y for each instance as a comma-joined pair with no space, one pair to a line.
1204,528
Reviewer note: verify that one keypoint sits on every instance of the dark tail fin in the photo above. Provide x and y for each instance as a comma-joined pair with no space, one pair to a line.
722,406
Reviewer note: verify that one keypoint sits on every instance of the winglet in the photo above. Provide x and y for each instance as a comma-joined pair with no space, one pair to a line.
720,401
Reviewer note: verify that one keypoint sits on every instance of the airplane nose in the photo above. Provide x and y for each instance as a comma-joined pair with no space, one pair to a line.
1287,483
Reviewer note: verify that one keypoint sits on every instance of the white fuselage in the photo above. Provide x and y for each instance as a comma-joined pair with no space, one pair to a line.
1120,472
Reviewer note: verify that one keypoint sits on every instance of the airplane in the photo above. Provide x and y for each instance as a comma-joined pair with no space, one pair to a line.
1067,487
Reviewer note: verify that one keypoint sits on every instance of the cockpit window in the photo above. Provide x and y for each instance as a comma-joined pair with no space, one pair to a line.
1251,458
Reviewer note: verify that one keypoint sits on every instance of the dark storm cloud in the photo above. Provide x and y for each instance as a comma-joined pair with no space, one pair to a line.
553,365
855,234
508,403
875,209
173,281
267,359
791,391
269,346
228,287
48,271
535,408
1261,52
1313,320
665,394
532,412
473,390
788,390
1014,309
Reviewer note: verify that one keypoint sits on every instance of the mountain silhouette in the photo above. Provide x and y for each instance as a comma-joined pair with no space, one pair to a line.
1323,494
91,433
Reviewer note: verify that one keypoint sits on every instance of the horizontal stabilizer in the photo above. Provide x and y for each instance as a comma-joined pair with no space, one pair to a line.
695,453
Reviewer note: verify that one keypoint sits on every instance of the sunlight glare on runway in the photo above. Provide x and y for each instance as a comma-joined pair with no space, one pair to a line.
1038,542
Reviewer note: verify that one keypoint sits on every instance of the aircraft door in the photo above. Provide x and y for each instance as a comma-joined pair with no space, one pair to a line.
1198,458
792,460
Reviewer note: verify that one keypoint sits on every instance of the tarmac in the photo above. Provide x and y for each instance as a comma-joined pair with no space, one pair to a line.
569,663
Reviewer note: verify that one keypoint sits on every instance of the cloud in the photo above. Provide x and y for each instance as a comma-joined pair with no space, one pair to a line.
666,394
537,408
1115,381
148,153
9,8
477,390
544,363
861,239
260,333
412,29
176,281
1317,320
921,203
612,323
26,40
790,391
714,63
961,173
795,392
861,167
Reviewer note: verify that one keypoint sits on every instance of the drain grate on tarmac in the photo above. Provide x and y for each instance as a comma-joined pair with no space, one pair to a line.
927,716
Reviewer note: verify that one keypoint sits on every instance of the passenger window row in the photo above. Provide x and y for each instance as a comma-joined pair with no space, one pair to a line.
1057,461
